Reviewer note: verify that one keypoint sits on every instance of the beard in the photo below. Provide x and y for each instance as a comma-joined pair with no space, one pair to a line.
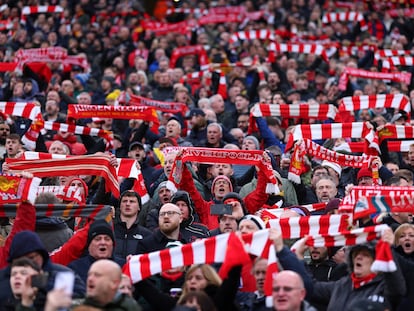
168,228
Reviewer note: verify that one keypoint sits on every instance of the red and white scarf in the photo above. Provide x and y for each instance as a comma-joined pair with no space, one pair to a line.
126,168
215,155
306,146
15,189
298,227
262,34
197,50
403,77
63,210
77,165
300,48
397,101
27,110
328,18
393,62
135,100
303,111
348,204
333,130
393,131
220,18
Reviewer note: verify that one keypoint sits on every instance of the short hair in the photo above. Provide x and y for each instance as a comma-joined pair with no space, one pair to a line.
130,193
14,136
25,262
46,198
216,125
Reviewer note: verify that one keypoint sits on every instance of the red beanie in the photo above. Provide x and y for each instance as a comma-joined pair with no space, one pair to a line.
224,178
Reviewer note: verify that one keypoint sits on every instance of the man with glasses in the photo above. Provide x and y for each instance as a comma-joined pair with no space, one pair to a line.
169,220
288,292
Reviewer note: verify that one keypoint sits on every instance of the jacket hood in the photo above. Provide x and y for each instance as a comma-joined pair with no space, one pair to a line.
26,242
185,197
370,247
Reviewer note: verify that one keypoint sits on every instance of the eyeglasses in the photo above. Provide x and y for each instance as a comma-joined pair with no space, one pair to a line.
286,289
168,213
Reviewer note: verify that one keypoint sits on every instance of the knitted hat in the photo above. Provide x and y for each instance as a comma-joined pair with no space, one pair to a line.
336,167
219,177
98,227
26,242
83,78
364,172
256,220
332,205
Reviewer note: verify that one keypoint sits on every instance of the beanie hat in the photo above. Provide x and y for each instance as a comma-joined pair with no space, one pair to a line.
364,172
98,227
184,196
26,242
83,78
332,205
253,139
257,221
336,167
113,95
219,177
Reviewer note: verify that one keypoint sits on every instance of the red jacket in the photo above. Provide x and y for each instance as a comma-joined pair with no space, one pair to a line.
253,201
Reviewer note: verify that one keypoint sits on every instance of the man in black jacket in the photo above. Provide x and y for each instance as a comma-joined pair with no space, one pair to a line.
126,228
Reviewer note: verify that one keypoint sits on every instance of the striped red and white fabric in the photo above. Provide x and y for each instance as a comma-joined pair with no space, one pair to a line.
194,11
221,18
301,48
392,62
399,145
76,165
222,87
329,18
303,111
70,194
126,168
298,227
386,53
262,34
393,131
27,110
333,130
29,10
15,189
403,77
135,100
352,237
397,101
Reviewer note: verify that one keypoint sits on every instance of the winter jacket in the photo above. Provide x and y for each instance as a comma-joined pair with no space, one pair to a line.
253,200
121,302
81,266
155,242
126,239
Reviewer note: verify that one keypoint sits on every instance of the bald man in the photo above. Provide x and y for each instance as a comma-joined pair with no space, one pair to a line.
288,292
169,220
103,281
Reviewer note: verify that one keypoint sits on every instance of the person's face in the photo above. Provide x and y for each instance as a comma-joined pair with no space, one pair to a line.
169,218
391,166
277,99
259,273
164,195
57,148
339,256
247,226
12,147
53,95
78,185
164,79
4,131
168,164
84,99
125,287
362,263
173,128
406,240
196,281
184,209
20,278
248,144
221,188
243,122
218,105
137,153
51,107
100,284
241,104
287,293
227,223
213,135
101,247
129,206
411,156
221,169
365,181
364,115
325,190
317,175
318,254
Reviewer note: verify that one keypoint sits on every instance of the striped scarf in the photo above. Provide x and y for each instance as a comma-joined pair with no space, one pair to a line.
135,100
328,18
15,189
21,109
301,48
77,165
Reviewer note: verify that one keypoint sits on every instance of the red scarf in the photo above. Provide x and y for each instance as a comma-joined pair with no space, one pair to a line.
359,282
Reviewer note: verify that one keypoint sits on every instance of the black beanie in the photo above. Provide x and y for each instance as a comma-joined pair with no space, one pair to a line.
100,227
